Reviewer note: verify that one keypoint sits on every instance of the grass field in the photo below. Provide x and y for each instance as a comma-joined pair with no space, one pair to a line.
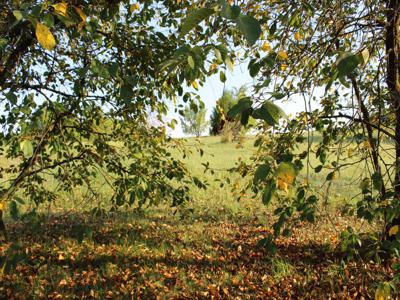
206,250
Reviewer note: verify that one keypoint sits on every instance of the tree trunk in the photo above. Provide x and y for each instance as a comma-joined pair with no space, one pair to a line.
392,40
3,231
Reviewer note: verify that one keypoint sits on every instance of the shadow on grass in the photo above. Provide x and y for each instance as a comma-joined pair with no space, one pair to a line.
163,261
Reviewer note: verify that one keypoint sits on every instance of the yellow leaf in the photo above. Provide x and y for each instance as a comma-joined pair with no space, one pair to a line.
1,205
283,67
282,185
282,54
81,13
350,152
394,230
195,85
266,47
367,145
45,37
297,36
213,67
134,7
61,8
83,17
382,292
61,257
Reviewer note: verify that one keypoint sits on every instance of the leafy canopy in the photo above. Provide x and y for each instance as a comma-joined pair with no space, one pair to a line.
338,59
78,81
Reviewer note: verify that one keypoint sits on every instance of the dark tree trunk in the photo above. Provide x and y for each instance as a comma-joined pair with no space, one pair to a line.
3,231
393,82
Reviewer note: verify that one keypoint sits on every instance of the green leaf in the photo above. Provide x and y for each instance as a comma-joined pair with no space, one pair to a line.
126,92
273,28
18,15
278,95
120,199
36,10
377,181
27,148
222,76
195,18
269,112
132,197
331,176
318,168
230,12
254,69
347,63
3,43
244,119
218,55
268,193
12,97
48,20
242,105
229,64
14,212
191,62
250,28
261,173
364,185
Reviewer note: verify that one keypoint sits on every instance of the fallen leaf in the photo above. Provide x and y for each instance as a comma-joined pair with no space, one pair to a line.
63,282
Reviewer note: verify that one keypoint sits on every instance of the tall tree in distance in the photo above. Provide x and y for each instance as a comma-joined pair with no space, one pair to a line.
219,114
194,121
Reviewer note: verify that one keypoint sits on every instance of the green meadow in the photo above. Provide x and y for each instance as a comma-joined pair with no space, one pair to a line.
205,249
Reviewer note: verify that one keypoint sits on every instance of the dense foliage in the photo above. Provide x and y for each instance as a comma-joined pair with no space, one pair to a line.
338,60
77,82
